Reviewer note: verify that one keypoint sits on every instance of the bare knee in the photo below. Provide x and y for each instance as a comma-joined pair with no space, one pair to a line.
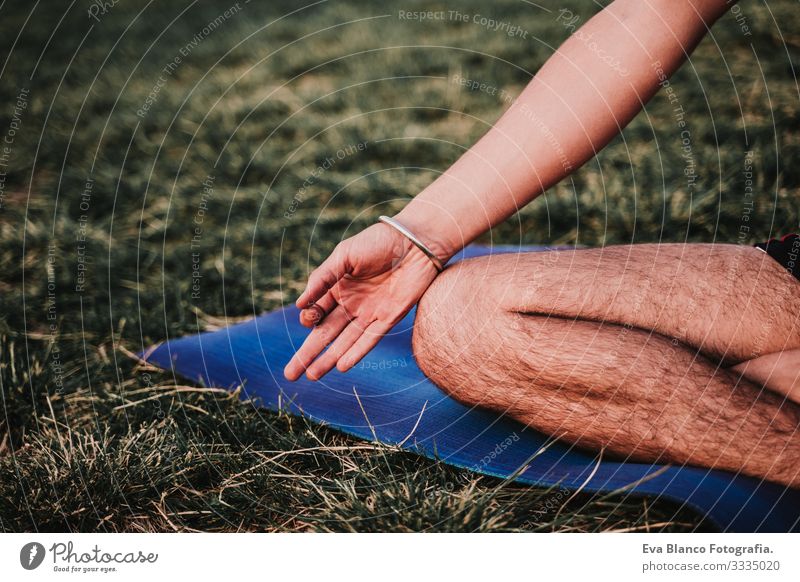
455,318
434,338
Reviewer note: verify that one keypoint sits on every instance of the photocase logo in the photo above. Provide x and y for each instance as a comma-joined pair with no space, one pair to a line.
31,555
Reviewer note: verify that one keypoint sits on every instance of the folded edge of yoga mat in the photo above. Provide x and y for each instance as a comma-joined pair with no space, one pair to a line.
388,397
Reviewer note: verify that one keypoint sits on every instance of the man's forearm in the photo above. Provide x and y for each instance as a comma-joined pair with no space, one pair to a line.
583,96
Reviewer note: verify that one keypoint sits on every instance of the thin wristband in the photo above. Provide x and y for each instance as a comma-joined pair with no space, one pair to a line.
410,236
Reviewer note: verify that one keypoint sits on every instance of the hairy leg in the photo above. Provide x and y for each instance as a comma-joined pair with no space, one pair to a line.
634,387
733,303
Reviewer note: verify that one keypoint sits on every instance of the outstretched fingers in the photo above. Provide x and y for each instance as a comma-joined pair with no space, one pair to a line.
329,358
320,337
368,340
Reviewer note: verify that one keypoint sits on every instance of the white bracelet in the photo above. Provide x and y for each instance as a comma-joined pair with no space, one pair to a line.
410,236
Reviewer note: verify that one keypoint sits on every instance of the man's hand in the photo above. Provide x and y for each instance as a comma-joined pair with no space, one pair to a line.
357,295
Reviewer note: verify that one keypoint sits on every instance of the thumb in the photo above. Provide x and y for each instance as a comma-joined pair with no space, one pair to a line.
324,277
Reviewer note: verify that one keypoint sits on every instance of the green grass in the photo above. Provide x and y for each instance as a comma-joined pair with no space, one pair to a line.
90,440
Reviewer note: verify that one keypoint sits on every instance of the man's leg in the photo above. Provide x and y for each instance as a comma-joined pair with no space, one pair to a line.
621,348
778,371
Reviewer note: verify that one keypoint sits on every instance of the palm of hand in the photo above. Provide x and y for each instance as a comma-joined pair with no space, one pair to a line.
365,287
384,294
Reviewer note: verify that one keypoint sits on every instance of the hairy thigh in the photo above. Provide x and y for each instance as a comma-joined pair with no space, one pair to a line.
468,332
732,303
598,383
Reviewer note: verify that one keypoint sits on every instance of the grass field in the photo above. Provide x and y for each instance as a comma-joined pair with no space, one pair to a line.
115,117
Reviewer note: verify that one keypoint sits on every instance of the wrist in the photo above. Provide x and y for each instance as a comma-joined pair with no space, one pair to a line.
434,228
415,240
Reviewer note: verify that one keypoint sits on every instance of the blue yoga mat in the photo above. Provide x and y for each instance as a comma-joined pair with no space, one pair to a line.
387,397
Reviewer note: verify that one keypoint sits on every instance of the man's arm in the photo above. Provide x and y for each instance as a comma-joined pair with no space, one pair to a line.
582,97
